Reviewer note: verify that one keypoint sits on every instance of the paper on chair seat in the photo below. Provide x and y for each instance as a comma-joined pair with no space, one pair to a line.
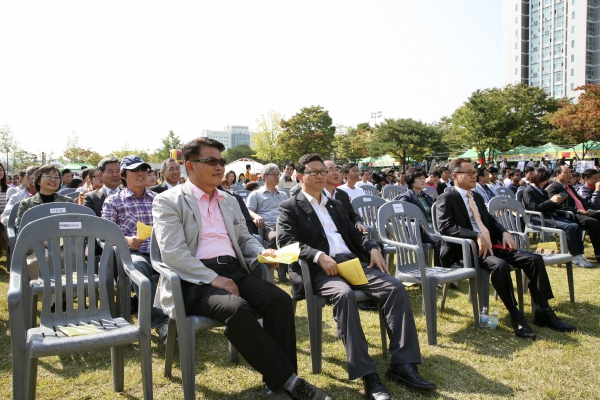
352,271
83,329
285,255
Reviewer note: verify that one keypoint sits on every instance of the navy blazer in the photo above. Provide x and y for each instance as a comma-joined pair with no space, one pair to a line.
161,187
411,197
453,220
298,222
533,200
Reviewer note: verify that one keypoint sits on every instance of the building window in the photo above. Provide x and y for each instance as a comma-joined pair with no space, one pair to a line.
573,29
572,86
516,7
573,2
572,43
516,46
573,15
572,71
572,57
516,58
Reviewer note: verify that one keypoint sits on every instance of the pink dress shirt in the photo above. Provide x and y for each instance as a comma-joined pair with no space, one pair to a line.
214,241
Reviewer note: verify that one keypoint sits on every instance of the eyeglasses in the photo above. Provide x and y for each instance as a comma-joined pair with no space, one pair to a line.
211,161
317,172
51,177
275,175
470,173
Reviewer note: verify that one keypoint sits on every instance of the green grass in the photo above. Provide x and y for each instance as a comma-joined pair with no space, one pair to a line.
468,363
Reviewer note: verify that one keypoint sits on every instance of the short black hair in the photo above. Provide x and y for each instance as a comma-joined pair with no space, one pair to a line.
558,169
85,173
45,169
513,173
75,182
247,165
481,172
528,169
413,173
107,160
193,147
436,174
539,175
448,169
347,166
65,171
588,173
493,170
307,158
289,163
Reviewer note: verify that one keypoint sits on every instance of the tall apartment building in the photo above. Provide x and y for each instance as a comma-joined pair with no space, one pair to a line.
552,44
232,136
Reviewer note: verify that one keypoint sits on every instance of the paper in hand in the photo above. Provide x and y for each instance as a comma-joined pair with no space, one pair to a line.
143,231
285,255
352,271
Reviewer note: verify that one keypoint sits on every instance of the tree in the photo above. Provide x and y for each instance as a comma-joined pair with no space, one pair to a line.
264,140
350,144
580,122
404,138
127,150
169,142
8,144
237,152
309,131
77,154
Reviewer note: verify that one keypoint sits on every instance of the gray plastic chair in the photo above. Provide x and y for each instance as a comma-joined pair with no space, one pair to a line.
185,326
370,190
511,214
431,191
72,195
400,226
367,206
243,194
505,192
66,191
389,192
28,345
286,191
314,307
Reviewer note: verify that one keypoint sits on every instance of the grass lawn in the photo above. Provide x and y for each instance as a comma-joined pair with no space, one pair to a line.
468,363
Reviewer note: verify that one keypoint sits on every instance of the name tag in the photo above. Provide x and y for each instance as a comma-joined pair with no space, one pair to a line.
58,210
69,225
398,208
367,199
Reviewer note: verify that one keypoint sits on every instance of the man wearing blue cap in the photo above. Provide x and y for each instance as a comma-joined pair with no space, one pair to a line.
128,207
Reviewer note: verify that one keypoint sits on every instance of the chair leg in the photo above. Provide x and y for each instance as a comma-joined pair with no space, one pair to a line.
315,333
382,327
444,294
187,343
233,353
473,289
146,355
32,381
430,309
483,288
170,347
118,367
569,266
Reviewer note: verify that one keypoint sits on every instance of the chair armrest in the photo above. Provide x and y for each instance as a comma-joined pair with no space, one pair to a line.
16,309
421,259
538,214
561,235
306,278
521,237
468,246
174,280
568,214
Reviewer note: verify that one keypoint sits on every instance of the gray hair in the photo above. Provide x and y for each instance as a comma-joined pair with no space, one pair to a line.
164,164
31,170
107,160
266,169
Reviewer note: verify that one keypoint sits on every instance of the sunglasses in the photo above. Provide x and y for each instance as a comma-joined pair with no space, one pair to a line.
142,168
211,161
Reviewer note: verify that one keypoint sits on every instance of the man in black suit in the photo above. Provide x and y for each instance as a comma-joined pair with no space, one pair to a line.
171,173
462,213
109,171
585,217
444,181
327,237
333,179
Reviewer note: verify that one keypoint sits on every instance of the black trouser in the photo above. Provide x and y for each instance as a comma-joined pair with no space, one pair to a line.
592,224
531,264
270,349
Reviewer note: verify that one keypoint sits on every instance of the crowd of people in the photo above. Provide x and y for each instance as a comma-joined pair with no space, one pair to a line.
198,226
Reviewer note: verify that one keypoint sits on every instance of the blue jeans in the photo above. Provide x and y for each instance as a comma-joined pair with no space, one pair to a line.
141,262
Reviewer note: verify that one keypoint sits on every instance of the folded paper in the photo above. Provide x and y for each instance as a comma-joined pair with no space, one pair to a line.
352,271
83,329
143,231
285,255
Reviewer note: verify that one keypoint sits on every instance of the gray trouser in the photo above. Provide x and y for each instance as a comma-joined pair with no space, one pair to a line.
400,322
141,262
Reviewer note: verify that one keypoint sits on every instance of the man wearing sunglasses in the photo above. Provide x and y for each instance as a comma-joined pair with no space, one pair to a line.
128,207
202,237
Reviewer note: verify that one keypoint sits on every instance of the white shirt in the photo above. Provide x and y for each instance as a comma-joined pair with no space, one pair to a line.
107,190
352,193
334,239
361,183
507,181
463,194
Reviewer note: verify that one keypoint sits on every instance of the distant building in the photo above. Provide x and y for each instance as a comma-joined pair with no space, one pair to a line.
551,44
232,136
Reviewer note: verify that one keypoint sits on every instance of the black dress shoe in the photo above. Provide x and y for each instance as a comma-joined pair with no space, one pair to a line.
408,374
367,305
520,326
454,286
281,273
374,389
548,318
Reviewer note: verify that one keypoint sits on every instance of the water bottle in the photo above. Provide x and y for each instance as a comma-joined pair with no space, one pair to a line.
493,320
483,318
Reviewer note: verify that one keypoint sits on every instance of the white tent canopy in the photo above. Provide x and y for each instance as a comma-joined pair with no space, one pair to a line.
239,166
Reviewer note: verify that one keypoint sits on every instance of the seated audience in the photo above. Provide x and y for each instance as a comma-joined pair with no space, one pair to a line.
401,180
535,198
67,175
462,213
494,182
481,187
432,179
152,179
3,201
444,181
515,181
230,176
26,193
352,174
214,260
242,178
506,179
365,177
109,173
590,190
286,181
75,183
331,181
328,237
171,173
251,186
22,184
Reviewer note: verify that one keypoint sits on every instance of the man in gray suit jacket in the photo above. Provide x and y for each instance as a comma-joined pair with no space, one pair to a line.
202,236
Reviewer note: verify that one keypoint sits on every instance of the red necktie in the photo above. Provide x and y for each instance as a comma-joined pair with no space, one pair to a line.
578,204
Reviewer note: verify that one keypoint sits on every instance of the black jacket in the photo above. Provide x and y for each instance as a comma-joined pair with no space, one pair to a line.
569,203
160,187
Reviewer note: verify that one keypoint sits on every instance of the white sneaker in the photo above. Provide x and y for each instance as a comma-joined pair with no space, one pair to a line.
580,261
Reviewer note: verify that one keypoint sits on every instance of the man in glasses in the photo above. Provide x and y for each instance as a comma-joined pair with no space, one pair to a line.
129,206
328,237
203,238
462,213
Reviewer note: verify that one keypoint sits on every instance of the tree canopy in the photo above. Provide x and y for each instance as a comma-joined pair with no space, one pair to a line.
350,144
264,140
169,142
237,152
309,131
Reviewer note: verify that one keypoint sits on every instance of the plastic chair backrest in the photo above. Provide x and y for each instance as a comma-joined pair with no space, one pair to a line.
71,232
506,193
243,193
286,191
66,191
48,209
73,195
511,215
366,206
449,188
431,191
389,192
369,190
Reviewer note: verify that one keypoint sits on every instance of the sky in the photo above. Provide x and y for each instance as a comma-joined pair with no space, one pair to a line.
124,73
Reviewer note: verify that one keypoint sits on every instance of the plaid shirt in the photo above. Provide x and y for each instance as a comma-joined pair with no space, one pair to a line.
126,209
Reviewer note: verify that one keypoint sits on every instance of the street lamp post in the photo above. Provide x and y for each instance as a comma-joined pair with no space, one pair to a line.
375,115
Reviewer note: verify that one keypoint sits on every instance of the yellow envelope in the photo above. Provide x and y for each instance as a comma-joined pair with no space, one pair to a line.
83,329
352,271
547,245
285,255
143,231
